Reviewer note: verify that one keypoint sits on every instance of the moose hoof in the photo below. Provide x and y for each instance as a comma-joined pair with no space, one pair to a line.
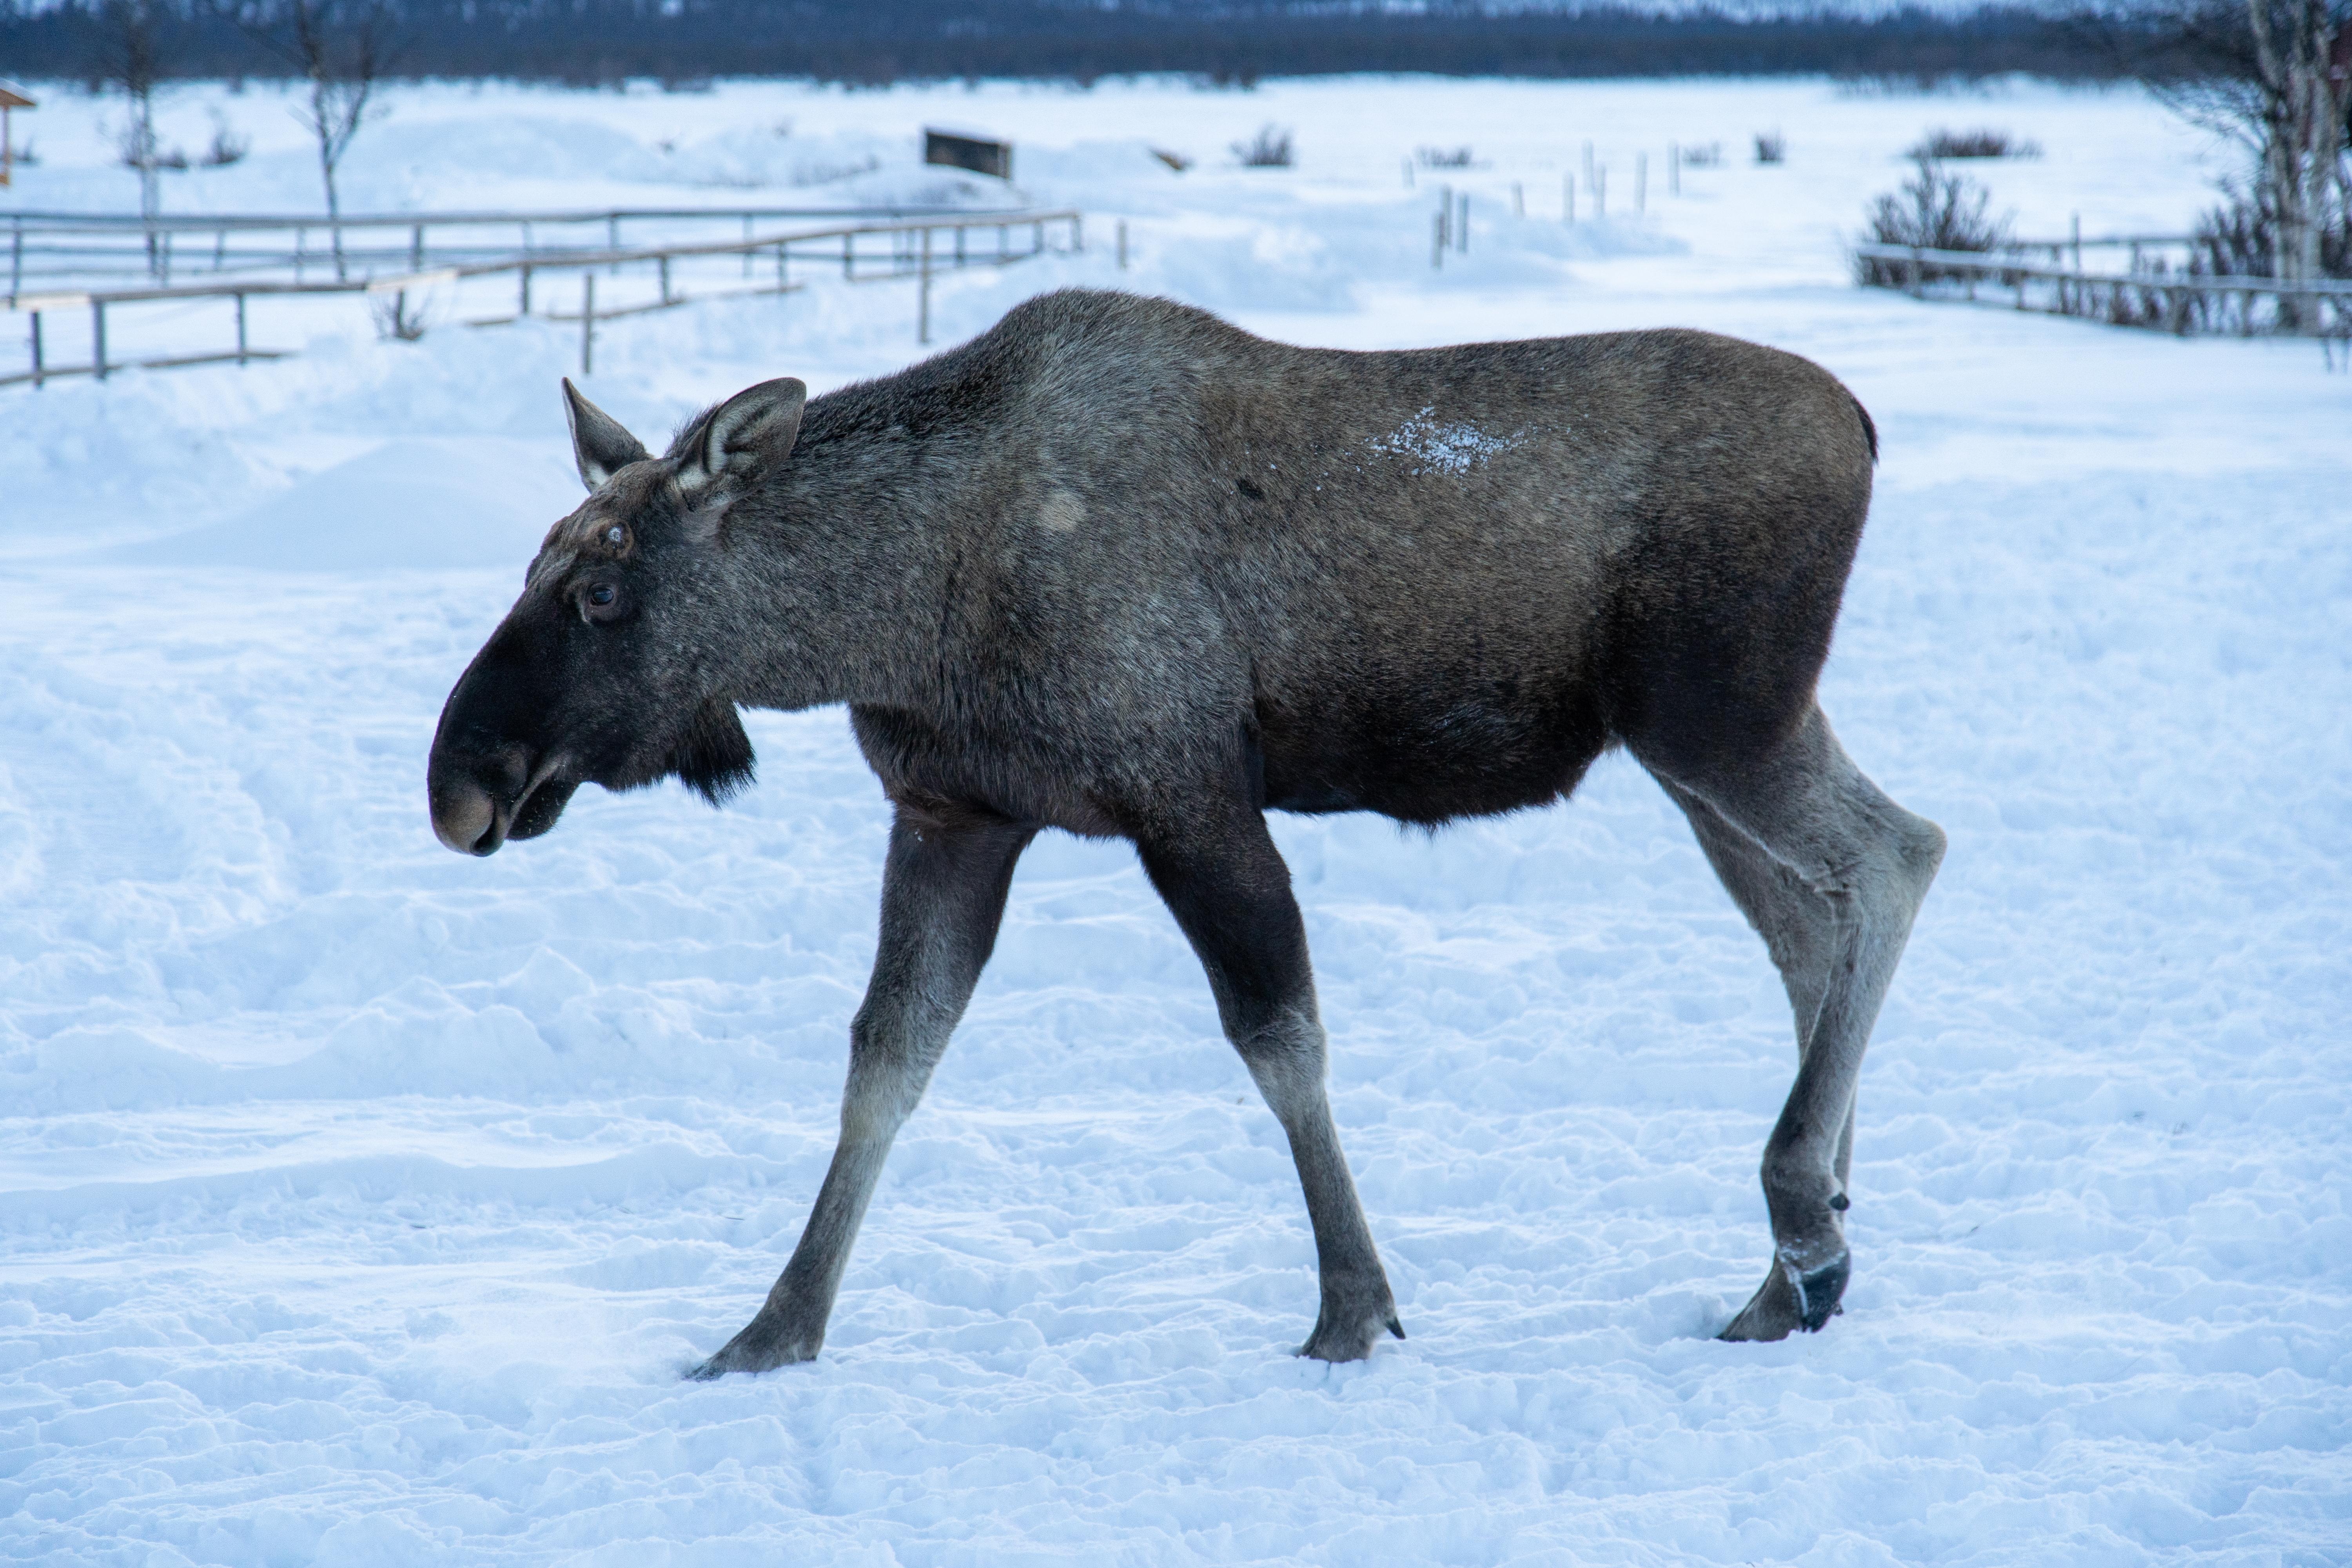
760,1347
1343,1333
1792,1298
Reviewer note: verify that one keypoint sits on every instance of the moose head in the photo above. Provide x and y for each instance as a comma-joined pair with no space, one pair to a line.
614,666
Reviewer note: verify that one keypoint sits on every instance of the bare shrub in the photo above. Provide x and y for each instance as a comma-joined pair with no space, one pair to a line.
1270,148
1176,161
1706,155
136,146
1442,157
1985,142
228,147
1771,147
1934,210
2240,239
396,320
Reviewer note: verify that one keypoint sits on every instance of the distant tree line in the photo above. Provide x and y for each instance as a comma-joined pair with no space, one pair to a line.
875,42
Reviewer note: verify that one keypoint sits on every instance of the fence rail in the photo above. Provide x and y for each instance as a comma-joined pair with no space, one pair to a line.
2175,301
78,248
914,253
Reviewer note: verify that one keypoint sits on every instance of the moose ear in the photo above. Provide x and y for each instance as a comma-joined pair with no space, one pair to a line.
599,444
744,436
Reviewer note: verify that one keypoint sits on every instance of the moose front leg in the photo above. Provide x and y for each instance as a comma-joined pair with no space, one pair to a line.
943,889
1229,891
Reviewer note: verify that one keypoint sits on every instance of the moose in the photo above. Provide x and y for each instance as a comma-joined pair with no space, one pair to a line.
1119,568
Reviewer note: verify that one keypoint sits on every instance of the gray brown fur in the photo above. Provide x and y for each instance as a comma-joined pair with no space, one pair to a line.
1119,568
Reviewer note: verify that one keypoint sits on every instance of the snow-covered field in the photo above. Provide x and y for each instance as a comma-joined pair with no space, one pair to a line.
361,1203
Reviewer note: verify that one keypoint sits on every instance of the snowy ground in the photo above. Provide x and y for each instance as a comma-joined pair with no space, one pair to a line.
360,1203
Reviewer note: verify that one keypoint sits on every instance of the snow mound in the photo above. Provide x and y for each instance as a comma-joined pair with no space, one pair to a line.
422,503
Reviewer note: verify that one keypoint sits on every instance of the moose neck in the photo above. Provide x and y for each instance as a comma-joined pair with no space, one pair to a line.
846,565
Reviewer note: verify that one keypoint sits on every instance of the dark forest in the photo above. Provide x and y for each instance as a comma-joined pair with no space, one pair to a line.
684,43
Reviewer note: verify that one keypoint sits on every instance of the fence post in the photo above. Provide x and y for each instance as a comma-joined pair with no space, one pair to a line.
1518,200
782,278
522,307
1437,242
1077,234
847,255
1461,231
923,292
1601,194
1567,198
16,260
1917,275
416,248
240,329
98,337
587,322
37,350
1122,245
662,264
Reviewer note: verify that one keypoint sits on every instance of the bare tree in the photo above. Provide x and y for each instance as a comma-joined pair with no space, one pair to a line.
341,47
130,50
2276,77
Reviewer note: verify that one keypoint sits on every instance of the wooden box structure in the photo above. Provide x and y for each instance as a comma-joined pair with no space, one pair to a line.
977,153
12,98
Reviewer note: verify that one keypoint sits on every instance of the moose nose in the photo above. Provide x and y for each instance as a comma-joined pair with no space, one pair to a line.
465,818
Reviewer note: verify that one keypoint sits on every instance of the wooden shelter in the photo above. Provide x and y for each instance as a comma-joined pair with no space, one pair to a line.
12,98
978,153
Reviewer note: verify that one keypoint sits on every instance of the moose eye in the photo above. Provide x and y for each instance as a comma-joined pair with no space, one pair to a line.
615,534
602,601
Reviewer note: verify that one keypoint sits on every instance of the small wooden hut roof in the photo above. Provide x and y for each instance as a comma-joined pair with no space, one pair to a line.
15,97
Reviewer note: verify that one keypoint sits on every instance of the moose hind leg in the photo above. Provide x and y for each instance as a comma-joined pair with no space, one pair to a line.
1847,868
1229,891
1798,925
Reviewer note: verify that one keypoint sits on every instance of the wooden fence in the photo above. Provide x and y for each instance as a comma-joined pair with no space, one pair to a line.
59,249
2179,302
918,249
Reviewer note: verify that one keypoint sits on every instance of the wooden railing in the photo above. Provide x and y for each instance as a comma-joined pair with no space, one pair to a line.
916,251
2175,301
58,250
